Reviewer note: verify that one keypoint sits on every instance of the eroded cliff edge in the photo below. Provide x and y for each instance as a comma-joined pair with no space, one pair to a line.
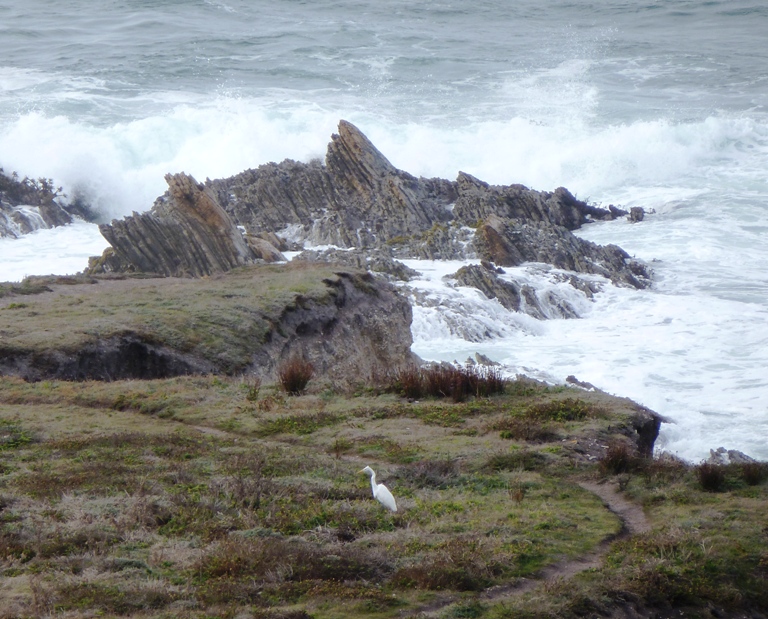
246,321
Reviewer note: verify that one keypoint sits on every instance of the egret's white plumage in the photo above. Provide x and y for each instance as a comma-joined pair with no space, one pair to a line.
380,492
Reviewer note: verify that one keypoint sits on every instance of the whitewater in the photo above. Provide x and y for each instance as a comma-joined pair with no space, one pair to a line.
662,105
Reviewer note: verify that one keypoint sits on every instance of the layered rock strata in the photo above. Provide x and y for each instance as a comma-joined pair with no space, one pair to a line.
186,233
357,200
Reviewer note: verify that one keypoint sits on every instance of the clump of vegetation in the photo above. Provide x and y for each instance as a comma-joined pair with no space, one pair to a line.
619,458
523,429
448,381
566,409
252,388
294,374
754,473
711,476
408,381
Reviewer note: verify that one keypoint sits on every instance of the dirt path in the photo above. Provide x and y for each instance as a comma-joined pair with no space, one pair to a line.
633,522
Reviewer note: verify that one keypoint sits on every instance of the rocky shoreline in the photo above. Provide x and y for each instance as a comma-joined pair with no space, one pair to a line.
373,215
154,383
29,204
358,201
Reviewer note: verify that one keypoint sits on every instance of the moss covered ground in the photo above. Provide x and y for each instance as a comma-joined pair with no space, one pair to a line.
220,497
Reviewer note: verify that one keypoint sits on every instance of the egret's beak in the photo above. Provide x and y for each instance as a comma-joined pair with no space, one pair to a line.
361,471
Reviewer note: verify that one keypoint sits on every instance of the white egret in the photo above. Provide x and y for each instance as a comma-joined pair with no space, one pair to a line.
380,492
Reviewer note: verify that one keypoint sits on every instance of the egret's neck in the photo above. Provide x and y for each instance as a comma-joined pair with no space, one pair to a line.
373,482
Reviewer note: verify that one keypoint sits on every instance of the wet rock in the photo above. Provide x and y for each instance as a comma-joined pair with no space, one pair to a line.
356,199
510,243
722,456
27,205
478,200
485,361
636,213
186,234
488,282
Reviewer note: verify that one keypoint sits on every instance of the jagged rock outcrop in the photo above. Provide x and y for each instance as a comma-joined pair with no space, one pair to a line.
186,233
515,296
723,456
27,205
509,242
477,200
358,200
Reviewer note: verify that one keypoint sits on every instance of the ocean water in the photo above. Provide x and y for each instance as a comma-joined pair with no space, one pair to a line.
655,103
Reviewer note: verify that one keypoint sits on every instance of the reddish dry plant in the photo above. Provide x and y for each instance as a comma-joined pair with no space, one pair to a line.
445,381
294,374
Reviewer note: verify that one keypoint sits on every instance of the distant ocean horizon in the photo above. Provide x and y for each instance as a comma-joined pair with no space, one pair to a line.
662,105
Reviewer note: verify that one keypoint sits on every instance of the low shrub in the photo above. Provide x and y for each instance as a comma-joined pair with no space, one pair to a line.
294,374
458,565
619,459
252,388
279,559
408,382
520,459
711,476
665,469
754,473
438,474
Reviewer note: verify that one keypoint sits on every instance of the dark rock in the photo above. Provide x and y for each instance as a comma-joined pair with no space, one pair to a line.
27,205
614,213
185,234
487,282
478,200
514,296
646,424
636,213
485,361
510,243
572,380
358,199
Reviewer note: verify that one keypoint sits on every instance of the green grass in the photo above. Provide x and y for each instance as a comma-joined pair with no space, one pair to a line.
245,500
219,318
